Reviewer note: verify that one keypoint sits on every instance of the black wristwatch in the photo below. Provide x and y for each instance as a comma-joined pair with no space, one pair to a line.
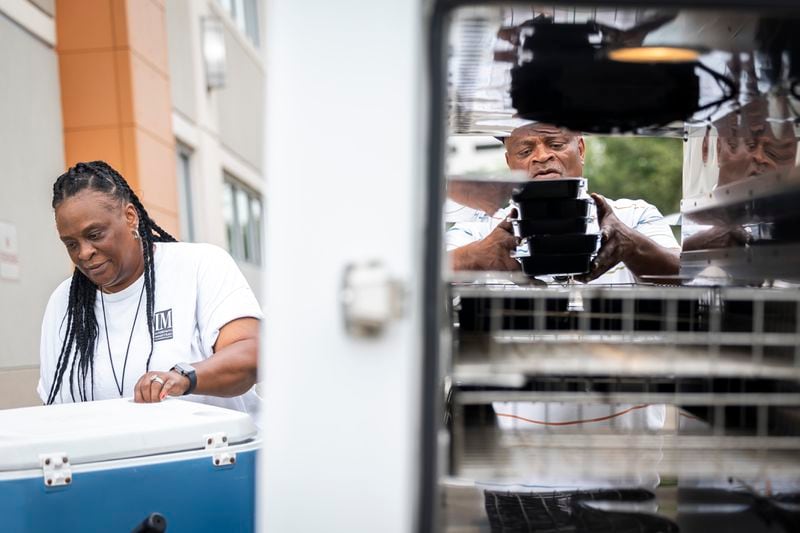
185,369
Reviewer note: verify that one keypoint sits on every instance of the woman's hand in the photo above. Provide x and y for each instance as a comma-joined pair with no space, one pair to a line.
232,369
155,386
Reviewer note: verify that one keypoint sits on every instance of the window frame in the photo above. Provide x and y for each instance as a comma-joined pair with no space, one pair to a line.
245,16
184,156
234,188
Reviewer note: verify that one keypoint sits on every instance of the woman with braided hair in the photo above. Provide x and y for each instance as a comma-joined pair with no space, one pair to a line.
143,315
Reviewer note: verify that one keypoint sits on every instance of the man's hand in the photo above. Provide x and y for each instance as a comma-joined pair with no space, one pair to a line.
619,243
616,241
491,253
717,237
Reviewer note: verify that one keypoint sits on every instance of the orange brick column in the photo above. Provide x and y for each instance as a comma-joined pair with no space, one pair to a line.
115,95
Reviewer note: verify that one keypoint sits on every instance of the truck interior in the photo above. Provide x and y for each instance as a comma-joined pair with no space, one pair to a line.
671,403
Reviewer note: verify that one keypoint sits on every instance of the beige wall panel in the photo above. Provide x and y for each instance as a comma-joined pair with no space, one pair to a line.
114,95
124,87
119,17
168,221
48,6
93,144
84,24
18,388
89,89
241,104
33,156
156,170
182,42
129,167
152,108
146,35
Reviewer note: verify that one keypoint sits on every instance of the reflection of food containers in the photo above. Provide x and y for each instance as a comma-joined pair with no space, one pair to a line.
575,243
542,264
554,215
556,226
107,465
734,510
554,208
625,509
539,189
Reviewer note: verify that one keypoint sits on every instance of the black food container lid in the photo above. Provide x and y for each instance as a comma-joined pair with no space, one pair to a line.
554,208
539,189
556,264
563,244
555,226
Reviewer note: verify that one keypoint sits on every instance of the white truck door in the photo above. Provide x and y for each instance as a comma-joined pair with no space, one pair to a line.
344,164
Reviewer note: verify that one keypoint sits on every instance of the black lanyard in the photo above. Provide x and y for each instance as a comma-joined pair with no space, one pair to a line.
120,385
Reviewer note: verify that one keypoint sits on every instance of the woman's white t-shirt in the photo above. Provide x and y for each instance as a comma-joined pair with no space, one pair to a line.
199,289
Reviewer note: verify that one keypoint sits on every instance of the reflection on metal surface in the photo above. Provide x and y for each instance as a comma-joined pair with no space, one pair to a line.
487,44
487,192
521,457
566,388
647,54
564,77
744,186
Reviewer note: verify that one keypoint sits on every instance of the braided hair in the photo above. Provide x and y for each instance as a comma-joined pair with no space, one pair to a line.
77,350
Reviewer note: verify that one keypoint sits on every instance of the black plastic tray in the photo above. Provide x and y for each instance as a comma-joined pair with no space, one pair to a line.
553,208
541,264
539,189
555,226
563,244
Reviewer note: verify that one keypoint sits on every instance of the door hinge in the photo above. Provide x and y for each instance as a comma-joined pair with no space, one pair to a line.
223,456
370,298
56,469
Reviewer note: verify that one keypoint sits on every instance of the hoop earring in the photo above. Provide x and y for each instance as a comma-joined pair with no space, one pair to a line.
135,234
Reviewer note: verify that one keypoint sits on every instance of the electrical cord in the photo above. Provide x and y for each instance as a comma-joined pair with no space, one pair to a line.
573,422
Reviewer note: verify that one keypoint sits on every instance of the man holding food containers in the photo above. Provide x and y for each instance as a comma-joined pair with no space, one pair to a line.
634,238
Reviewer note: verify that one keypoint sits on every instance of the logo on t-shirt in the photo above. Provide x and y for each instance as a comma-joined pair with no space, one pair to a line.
163,325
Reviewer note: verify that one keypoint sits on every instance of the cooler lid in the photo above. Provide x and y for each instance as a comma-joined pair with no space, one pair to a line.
113,429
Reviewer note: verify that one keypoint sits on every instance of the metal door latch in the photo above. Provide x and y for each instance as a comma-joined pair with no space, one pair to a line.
370,298
219,441
56,469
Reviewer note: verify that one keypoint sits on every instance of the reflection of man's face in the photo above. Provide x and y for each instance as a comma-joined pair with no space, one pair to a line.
545,151
753,152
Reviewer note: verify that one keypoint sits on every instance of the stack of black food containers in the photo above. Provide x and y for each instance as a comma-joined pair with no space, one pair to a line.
555,216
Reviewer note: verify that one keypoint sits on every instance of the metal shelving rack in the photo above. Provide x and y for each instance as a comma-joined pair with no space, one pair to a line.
612,354
722,363
688,331
717,366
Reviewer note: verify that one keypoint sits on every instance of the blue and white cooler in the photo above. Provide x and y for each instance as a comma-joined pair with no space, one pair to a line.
109,465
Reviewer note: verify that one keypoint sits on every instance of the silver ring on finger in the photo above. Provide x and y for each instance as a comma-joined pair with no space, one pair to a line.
158,380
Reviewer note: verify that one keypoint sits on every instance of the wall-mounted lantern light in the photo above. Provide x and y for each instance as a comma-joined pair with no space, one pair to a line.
213,37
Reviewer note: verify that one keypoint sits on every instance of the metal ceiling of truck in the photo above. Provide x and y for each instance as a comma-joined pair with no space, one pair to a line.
744,50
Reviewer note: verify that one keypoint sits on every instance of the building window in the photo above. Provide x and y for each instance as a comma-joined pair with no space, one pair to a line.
244,14
242,210
185,202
